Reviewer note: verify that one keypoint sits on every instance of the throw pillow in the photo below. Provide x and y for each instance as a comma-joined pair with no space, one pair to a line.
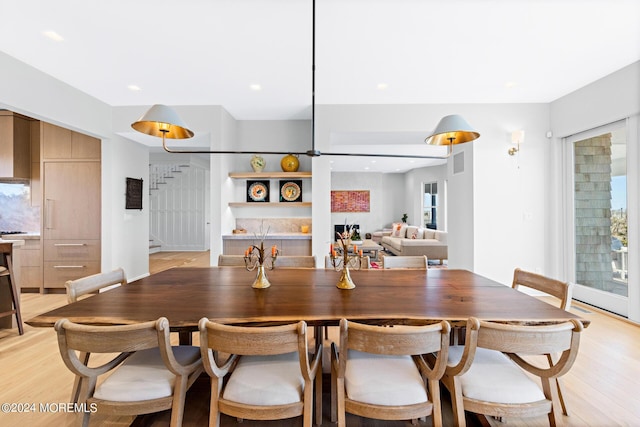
415,232
397,227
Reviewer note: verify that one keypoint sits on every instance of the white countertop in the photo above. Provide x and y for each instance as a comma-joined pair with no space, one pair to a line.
282,236
16,242
21,236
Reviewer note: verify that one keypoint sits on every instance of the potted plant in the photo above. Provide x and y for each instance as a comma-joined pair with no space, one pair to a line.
405,217
355,238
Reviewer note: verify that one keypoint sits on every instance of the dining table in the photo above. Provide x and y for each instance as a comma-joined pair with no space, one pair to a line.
225,295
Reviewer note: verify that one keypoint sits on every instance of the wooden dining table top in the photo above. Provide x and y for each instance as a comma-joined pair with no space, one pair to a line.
225,295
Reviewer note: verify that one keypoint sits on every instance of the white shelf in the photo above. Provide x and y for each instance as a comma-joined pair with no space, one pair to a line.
268,175
270,204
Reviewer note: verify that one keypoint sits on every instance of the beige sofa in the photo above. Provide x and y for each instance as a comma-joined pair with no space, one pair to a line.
411,240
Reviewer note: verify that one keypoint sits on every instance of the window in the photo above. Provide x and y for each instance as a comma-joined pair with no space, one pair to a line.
430,205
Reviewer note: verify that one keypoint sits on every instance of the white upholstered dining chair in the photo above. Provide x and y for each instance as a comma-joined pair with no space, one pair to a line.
420,262
381,372
271,372
361,262
493,375
558,289
145,373
293,261
94,283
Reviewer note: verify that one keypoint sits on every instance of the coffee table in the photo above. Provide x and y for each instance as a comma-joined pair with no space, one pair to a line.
368,247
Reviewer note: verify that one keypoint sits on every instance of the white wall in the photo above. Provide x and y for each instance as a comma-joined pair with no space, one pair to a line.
483,215
502,211
511,192
373,182
415,180
389,118
125,231
35,94
604,101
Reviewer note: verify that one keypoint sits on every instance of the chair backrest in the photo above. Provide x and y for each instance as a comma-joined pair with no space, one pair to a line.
156,378
104,339
93,283
363,262
527,340
248,341
230,261
556,288
261,355
405,262
301,261
400,351
399,340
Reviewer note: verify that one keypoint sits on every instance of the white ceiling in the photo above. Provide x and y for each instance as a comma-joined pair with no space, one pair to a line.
210,52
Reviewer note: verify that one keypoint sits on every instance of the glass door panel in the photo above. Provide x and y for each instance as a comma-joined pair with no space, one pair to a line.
600,217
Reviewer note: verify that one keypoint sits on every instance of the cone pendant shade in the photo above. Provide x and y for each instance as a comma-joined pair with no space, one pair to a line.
452,130
162,121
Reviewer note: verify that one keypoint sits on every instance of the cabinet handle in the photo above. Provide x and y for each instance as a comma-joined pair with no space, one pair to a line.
49,213
69,244
69,266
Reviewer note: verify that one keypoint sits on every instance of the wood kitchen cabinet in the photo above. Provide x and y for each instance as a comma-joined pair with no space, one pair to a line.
15,146
27,265
61,143
71,205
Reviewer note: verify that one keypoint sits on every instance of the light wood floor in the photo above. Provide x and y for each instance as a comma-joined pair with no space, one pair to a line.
603,388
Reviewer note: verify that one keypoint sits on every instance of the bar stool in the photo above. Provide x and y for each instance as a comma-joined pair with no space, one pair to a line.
6,270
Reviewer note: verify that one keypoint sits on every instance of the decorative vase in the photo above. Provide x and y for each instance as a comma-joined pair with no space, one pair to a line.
261,281
257,163
345,281
290,163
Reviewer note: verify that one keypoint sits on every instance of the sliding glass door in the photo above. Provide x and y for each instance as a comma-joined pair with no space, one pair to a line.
600,217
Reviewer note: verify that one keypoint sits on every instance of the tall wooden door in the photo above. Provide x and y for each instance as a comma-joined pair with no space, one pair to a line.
71,200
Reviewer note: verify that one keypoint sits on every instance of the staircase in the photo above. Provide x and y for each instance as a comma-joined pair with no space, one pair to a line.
160,174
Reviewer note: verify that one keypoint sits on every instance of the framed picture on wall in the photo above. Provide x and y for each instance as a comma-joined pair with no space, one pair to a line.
257,191
133,194
291,190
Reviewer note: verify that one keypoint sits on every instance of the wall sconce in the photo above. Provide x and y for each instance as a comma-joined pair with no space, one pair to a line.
517,138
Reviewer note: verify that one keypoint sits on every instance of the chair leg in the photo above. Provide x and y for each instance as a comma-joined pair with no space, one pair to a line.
563,404
436,413
340,403
214,410
334,397
457,403
179,396
565,411
77,382
318,389
551,393
307,412
15,296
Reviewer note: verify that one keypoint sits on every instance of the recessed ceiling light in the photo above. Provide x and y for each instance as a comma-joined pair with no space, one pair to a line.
366,168
53,36
255,87
134,88
510,85
373,161
382,86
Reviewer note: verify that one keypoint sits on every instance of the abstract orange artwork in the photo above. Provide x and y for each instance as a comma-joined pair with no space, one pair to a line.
350,201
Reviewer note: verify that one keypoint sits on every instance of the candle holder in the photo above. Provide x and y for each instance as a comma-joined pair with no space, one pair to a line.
256,259
344,262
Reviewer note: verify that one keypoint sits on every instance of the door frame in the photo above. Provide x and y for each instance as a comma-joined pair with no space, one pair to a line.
624,306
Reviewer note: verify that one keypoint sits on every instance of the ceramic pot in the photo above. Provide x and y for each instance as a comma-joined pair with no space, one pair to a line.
290,163
257,163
